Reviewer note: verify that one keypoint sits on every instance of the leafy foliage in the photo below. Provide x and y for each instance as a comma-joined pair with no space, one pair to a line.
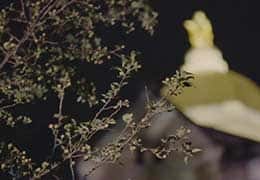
43,58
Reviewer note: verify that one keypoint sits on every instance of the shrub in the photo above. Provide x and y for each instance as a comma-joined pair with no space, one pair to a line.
44,47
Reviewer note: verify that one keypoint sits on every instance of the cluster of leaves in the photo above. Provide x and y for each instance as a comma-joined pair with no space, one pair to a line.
15,161
130,136
178,82
43,57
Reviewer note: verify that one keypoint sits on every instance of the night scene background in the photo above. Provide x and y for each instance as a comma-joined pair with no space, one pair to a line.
236,28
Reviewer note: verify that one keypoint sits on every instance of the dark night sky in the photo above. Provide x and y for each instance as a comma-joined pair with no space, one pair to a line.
236,28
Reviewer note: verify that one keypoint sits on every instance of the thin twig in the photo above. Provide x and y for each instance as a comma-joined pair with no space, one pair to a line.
72,170
60,114
23,8
12,53
109,100
46,9
71,161
65,6
8,106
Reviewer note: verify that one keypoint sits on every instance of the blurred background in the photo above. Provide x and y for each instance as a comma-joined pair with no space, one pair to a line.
236,29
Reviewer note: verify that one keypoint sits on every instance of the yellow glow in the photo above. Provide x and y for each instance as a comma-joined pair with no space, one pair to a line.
200,31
